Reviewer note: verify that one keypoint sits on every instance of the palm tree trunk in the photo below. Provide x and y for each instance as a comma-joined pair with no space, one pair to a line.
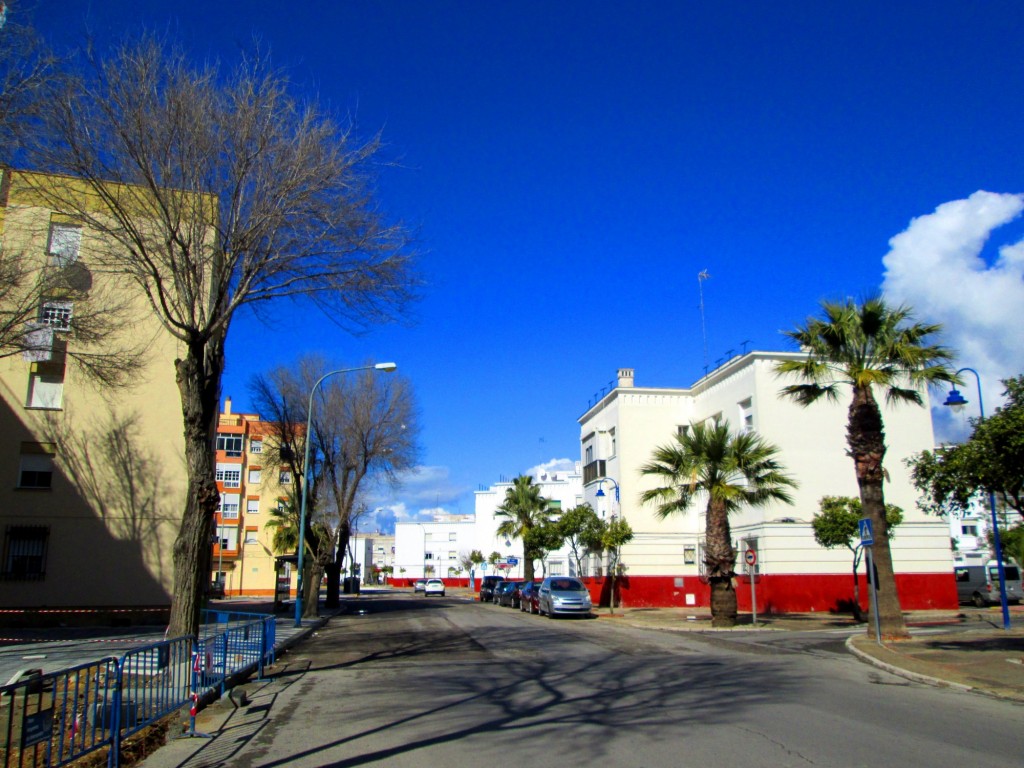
720,561
866,440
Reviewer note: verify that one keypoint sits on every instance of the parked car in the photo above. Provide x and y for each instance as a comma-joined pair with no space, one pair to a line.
509,596
563,595
487,584
528,594
979,584
498,589
419,585
433,587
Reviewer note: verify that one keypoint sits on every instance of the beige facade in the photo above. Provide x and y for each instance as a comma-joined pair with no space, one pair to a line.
93,477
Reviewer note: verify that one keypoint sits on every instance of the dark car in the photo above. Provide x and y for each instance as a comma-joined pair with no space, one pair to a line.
509,596
500,591
487,584
496,591
528,596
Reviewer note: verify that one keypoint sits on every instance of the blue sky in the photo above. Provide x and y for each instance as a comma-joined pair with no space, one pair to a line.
570,168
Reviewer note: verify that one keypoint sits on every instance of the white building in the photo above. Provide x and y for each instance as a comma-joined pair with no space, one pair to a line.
438,548
663,562
372,552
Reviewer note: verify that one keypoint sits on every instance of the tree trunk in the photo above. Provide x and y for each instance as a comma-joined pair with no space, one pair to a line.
858,615
335,569
198,378
866,440
720,562
723,603
528,570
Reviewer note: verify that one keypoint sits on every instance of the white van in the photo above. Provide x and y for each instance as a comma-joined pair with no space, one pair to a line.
979,584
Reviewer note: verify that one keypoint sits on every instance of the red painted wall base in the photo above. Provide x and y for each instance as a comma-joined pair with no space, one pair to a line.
780,593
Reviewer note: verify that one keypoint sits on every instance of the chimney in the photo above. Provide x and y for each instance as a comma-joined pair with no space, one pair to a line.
227,405
625,377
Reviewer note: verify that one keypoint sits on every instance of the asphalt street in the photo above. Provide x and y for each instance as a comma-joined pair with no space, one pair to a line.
413,681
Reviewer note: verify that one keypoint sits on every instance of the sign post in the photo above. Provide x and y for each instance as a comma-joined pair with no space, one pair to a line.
867,540
750,557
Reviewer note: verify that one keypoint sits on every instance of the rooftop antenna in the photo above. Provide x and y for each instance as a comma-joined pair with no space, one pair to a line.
703,327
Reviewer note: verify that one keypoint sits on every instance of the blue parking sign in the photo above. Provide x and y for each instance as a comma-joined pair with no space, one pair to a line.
867,535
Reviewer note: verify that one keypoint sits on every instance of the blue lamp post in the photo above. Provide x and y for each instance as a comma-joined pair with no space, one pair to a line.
305,475
600,490
956,401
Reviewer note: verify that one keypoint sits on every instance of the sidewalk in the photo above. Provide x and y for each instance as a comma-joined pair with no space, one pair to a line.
979,655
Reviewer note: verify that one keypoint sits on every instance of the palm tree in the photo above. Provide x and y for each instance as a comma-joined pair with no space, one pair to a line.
730,471
864,346
523,509
284,521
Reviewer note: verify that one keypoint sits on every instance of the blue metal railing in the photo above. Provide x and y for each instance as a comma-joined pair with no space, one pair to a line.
49,720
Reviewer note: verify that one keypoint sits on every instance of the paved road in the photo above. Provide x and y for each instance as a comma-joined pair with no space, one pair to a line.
415,681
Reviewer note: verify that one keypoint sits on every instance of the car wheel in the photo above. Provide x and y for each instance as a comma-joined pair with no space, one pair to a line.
978,600
551,613
531,608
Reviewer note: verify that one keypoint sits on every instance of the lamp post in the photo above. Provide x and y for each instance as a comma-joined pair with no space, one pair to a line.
956,401
614,563
305,474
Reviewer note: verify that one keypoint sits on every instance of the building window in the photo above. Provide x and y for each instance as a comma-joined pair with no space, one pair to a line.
611,434
428,555
65,244
228,537
254,475
690,555
682,429
56,314
588,454
452,555
451,536
25,552
46,386
556,568
252,507
35,469
746,408
252,536
230,475
255,446
230,444
229,506
285,478
969,530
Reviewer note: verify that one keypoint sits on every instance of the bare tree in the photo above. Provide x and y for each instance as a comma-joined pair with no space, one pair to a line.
28,69
213,191
364,430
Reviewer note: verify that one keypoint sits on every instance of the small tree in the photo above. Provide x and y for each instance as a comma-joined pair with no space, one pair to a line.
615,534
992,460
541,540
581,529
837,526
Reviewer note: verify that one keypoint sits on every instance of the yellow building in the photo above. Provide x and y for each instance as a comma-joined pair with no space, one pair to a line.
244,560
93,480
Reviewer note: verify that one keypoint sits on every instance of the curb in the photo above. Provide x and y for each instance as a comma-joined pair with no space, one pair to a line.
906,674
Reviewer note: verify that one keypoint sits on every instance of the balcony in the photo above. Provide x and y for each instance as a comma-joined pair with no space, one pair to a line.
593,471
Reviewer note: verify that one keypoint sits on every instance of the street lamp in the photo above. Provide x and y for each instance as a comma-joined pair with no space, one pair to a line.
956,401
388,367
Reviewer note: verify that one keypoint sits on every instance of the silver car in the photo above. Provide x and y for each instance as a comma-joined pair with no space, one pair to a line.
563,595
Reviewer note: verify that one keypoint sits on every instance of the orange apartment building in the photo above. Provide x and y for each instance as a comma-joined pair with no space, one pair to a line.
244,562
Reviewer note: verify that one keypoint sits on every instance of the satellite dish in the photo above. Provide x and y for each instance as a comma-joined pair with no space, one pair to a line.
77,277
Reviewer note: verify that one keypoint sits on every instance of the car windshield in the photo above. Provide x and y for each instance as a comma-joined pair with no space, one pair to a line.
567,585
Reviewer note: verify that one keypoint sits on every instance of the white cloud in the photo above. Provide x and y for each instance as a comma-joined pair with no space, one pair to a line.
551,467
936,266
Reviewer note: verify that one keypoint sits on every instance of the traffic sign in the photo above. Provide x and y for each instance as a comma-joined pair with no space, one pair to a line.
512,560
750,556
867,535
